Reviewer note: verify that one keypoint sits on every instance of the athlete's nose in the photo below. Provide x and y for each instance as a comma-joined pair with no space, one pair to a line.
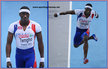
25,16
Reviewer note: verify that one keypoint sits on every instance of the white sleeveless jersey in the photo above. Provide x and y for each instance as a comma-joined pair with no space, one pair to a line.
82,21
24,39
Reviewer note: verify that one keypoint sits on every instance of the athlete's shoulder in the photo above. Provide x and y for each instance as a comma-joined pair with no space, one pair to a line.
16,22
93,12
78,11
34,22
11,27
37,26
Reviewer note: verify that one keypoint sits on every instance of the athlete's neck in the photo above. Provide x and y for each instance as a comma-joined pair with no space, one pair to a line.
86,15
24,22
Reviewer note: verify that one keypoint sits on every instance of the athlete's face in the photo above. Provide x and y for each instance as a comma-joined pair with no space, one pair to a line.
24,16
87,11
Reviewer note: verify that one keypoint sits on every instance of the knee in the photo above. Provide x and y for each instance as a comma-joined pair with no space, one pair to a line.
85,38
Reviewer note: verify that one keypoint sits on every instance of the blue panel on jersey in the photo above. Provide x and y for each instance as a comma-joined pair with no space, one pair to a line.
15,28
79,16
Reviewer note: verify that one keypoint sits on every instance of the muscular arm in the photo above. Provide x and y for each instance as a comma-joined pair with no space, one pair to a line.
8,44
41,48
40,44
65,13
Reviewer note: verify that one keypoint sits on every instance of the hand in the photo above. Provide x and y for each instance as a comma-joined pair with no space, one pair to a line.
41,65
9,65
97,16
55,15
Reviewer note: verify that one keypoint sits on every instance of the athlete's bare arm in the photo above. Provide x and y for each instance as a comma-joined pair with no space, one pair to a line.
40,44
8,47
64,13
41,47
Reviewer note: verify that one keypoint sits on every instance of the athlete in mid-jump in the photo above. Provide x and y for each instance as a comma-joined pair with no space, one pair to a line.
84,17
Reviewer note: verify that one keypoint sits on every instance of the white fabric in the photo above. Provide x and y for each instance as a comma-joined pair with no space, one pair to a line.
8,59
88,7
24,39
41,59
83,22
58,14
11,27
24,10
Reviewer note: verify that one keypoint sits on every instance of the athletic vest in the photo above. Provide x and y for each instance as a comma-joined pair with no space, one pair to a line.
82,21
24,39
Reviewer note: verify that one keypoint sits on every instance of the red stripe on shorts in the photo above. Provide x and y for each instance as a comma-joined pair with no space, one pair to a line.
88,32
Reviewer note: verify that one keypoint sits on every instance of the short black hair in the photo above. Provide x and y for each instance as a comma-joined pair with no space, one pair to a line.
88,4
24,7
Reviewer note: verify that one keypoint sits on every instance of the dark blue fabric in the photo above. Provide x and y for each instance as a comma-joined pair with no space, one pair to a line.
78,36
79,16
15,28
25,58
26,51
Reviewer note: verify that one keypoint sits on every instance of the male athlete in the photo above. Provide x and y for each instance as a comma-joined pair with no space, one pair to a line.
25,31
84,17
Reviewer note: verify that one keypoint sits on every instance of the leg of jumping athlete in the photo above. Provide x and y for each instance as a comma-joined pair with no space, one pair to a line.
91,37
82,37
85,48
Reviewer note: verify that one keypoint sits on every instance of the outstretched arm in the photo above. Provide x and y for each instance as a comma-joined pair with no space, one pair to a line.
64,13
8,49
41,48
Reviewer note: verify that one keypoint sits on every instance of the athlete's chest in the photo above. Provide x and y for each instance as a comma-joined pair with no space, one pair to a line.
21,33
83,19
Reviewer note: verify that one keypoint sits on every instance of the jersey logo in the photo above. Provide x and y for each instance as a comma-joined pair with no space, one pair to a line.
83,15
19,27
29,27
